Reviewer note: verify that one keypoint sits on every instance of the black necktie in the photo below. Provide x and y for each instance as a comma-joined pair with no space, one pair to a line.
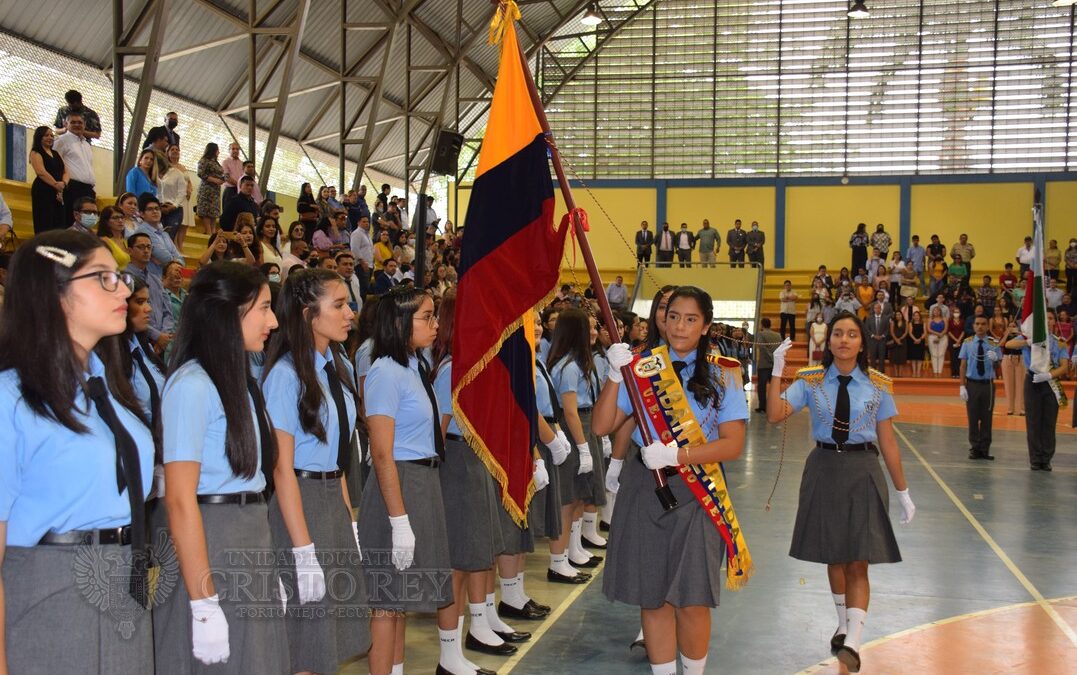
344,437
554,402
678,367
840,428
129,476
269,458
424,375
980,357
351,291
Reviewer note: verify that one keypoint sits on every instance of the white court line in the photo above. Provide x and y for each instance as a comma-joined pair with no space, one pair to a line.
547,624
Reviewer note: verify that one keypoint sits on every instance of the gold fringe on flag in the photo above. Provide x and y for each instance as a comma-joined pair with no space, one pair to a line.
506,9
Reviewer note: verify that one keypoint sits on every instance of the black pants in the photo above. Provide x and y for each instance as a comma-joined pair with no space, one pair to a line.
1071,286
980,407
736,257
227,194
763,376
877,354
74,191
643,255
1041,414
665,258
791,321
955,362
684,256
756,257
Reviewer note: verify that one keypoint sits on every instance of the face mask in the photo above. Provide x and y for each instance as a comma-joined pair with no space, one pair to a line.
1073,244
275,278
755,227
172,124
88,219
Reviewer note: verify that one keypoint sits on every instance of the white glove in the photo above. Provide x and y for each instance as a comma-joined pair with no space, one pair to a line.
403,542
907,506
619,355
559,448
355,532
993,355
309,578
613,475
964,394
607,447
587,465
209,631
779,357
542,477
1041,377
659,455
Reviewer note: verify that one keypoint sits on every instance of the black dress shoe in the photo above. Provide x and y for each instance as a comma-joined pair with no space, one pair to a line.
513,637
537,607
442,670
837,642
849,657
988,457
558,578
974,455
642,644
590,544
526,613
1045,467
592,562
1035,467
474,644
603,526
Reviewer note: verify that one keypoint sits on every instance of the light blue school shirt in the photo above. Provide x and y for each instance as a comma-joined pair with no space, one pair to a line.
1057,352
968,352
281,389
54,479
862,395
138,382
602,368
568,378
362,358
542,390
443,393
732,407
396,391
194,430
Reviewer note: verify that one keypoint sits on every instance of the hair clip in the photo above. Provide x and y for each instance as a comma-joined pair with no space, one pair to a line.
57,255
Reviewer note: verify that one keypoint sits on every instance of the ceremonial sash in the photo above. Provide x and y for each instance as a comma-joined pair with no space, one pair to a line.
666,405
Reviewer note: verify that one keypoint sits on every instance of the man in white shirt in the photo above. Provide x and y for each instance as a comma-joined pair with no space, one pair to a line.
1053,294
6,221
363,250
233,172
617,294
1024,256
77,154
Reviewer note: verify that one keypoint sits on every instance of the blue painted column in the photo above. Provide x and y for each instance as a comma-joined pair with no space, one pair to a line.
905,214
660,189
779,223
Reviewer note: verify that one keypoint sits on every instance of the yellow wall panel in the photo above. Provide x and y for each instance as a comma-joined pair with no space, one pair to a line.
996,216
820,219
1060,221
723,205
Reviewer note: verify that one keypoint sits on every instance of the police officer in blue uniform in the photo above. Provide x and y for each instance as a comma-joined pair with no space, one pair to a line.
75,466
1042,396
978,355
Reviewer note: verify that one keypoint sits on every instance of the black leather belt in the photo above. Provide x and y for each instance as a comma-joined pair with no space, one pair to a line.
455,437
116,535
585,410
976,381
240,498
550,420
320,475
847,447
431,462
669,471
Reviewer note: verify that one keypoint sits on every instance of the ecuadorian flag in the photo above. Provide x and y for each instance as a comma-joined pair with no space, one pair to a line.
510,262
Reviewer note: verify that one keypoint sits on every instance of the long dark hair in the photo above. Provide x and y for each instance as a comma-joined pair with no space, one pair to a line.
367,316
103,228
211,333
701,384
546,314
128,364
211,151
862,357
442,350
296,309
571,337
393,325
258,233
653,336
34,339
39,133
306,193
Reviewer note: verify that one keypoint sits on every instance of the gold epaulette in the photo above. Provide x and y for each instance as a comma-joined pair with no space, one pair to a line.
881,381
813,375
968,339
719,359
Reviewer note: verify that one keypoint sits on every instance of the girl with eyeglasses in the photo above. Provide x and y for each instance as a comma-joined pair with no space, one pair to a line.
75,466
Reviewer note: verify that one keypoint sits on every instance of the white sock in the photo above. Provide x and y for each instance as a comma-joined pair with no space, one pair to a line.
839,604
492,619
451,657
559,564
693,666
664,668
640,636
512,592
469,666
576,552
590,528
520,586
480,629
857,618
398,669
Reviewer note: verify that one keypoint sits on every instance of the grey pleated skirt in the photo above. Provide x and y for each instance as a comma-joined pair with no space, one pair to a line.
323,634
427,585
245,576
69,611
657,556
590,488
516,539
843,514
472,505
544,514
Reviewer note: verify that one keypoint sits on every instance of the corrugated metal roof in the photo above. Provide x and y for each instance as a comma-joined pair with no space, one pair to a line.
206,76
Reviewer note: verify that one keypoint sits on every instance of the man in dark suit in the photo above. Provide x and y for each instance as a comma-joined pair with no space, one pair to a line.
644,243
168,130
877,329
386,278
